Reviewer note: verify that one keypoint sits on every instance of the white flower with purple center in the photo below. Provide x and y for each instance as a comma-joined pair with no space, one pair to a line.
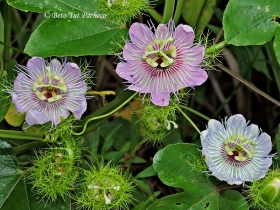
48,91
236,152
163,62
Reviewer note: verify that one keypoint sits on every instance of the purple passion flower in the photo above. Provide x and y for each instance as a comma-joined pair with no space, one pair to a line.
236,152
163,62
48,91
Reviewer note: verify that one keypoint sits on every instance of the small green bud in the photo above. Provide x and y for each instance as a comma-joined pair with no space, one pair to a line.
104,188
271,192
122,10
53,174
157,121
265,193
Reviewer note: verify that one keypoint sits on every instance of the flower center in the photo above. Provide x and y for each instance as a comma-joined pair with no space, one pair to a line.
161,52
239,148
49,87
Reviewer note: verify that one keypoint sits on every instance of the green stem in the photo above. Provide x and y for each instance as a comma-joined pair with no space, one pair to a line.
92,154
7,34
31,145
178,11
190,121
13,48
155,14
215,47
271,56
168,10
21,135
105,115
195,112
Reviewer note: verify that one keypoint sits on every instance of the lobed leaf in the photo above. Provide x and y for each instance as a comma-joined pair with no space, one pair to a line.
176,166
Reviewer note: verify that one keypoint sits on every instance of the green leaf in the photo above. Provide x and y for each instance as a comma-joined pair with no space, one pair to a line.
15,193
93,140
46,6
5,82
62,34
113,156
137,159
261,64
173,137
4,109
198,13
276,44
250,22
147,172
1,34
176,166
109,139
228,199
142,184
76,38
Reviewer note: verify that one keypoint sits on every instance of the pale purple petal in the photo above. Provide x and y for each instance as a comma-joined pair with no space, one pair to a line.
78,113
55,66
58,118
36,65
184,35
35,117
162,32
161,99
140,33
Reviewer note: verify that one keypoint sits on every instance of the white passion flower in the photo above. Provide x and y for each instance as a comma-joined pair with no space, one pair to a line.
235,152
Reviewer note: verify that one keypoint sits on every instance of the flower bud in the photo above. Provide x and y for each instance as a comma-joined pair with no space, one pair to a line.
122,10
105,187
265,193
271,191
157,121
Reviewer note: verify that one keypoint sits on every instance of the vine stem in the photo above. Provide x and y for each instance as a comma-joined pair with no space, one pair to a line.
195,112
190,121
21,135
178,11
105,92
155,14
105,115
168,10
7,33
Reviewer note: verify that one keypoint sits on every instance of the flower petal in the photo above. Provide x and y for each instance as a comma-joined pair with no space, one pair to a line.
36,65
59,117
55,66
161,99
35,117
140,34
78,114
203,135
184,35
162,32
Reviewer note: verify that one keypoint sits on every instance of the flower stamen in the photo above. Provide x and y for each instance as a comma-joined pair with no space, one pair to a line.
49,87
239,148
160,55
